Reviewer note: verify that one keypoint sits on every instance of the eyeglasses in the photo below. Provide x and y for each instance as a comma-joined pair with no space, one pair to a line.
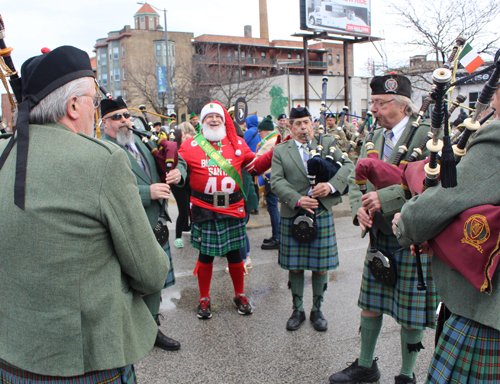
96,100
118,116
379,103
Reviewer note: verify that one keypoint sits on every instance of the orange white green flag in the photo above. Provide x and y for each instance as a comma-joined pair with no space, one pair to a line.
470,59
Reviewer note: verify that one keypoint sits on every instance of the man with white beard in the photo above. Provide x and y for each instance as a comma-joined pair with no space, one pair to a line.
215,158
115,122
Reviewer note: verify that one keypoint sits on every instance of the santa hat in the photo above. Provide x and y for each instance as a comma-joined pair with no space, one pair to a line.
212,107
216,107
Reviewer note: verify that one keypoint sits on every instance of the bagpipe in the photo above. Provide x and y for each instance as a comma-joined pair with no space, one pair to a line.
7,69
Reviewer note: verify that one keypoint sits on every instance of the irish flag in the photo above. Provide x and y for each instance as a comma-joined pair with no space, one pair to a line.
470,59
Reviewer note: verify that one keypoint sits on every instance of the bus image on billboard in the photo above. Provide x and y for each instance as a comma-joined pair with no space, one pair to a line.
347,15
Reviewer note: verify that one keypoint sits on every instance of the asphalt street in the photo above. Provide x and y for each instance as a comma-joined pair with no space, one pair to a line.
229,348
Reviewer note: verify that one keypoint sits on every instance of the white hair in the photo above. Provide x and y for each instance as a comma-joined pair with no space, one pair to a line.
52,107
410,108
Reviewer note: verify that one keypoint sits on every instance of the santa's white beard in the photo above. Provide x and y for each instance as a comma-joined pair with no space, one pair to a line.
124,138
212,135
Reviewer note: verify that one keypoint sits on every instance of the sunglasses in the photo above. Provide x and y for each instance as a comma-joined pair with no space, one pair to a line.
118,116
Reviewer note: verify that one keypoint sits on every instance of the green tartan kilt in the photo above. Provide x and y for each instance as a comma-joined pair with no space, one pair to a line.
410,307
170,280
218,237
10,374
321,254
467,352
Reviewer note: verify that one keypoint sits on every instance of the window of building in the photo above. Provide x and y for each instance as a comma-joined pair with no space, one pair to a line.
158,50
264,72
117,74
298,56
111,77
104,78
250,74
473,96
142,18
98,60
236,54
151,24
118,93
263,54
330,59
289,55
103,59
124,95
116,53
123,72
244,72
243,54
229,53
338,58
123,51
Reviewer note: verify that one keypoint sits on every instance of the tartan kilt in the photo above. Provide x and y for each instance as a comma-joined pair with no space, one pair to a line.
170,280
467,352
10,374
403,302
321,254
218,237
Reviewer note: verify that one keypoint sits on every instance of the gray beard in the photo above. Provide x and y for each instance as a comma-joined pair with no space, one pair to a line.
211,135
124,138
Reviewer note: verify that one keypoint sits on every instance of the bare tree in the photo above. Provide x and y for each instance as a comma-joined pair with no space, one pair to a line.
436,24
142,87
224,78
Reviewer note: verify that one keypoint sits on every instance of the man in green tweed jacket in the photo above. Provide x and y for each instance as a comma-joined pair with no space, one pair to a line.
468,348
78,252
115,122
290,183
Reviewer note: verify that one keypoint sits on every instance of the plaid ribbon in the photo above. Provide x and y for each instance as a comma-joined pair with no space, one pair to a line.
136,156
388,144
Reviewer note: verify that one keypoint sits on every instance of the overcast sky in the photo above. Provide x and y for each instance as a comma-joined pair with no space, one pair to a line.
33,24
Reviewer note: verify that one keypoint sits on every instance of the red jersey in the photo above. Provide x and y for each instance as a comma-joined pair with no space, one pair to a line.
207,177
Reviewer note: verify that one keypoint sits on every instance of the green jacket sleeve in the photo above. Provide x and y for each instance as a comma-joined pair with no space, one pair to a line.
140,255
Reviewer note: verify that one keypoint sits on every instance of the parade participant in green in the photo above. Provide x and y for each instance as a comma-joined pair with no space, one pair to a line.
414,310
290,183
82,253
115,122
470,339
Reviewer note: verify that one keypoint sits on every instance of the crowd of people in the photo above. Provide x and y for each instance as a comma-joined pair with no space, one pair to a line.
97,258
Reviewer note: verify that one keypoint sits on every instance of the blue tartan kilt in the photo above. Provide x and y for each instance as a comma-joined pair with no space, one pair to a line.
321,254
170,280
10,374
403,302
467,353
218,237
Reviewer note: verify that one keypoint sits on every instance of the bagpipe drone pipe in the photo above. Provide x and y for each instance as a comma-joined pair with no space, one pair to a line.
11,72
165,151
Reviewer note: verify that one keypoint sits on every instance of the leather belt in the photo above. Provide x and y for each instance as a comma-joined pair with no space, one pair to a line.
218,199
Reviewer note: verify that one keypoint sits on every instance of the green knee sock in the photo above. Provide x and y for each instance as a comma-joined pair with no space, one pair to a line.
319,284
412,339
370,329
296,281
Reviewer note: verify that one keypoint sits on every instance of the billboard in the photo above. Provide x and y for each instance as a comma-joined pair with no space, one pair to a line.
350,17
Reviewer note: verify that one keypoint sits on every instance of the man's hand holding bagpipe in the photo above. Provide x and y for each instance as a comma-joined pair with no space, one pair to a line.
371,204
173,177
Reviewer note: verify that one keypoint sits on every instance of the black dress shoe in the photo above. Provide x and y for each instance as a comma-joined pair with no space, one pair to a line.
296,320
319,322
268,240
273,244
166,343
